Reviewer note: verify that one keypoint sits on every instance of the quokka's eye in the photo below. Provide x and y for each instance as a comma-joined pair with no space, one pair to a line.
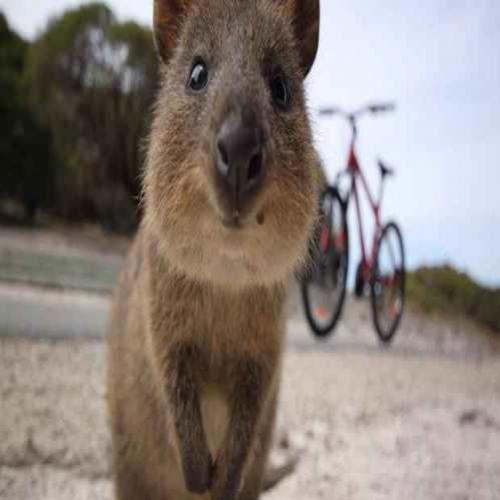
198,78
280,92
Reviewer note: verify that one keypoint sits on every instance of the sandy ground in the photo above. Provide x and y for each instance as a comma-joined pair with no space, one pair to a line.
420,420
67,240
417,421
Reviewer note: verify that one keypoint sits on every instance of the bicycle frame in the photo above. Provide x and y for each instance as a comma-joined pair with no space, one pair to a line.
357,177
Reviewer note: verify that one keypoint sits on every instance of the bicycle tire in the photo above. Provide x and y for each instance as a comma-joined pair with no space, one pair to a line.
386,334
319,330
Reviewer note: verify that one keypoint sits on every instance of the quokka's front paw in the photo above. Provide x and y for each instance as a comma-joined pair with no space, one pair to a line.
198,473
226,480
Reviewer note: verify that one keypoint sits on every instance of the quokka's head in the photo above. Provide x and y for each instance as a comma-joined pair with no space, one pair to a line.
230,182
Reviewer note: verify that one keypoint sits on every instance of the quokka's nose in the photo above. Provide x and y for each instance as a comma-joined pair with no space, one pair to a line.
239,161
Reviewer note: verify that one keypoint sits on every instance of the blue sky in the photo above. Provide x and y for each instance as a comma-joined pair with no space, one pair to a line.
440,61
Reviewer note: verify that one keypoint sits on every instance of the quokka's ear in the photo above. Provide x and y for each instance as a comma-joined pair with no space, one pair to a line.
169,16
305,19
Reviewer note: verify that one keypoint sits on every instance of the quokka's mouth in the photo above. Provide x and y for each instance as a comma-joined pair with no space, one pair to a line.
232,222
236,221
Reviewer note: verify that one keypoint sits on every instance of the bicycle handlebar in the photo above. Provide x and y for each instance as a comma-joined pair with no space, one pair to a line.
353,116
387,107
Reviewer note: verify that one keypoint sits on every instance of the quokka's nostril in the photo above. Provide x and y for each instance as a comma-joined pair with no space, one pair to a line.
223,163
255,167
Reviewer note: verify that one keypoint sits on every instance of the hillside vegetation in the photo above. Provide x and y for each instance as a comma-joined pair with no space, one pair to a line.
443,289
74,105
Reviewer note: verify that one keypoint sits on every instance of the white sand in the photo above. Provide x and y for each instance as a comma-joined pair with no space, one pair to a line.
415,422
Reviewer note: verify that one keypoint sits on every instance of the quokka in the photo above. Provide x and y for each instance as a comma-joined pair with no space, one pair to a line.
230,199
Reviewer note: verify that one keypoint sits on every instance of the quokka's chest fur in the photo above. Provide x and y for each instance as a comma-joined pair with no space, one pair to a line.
224,324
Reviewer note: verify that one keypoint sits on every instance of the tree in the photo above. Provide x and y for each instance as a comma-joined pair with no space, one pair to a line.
26,167
91,83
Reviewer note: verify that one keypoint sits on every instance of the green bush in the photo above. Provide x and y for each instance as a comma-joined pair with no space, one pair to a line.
444,289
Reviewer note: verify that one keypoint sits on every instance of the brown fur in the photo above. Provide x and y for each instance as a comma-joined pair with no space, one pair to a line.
198,319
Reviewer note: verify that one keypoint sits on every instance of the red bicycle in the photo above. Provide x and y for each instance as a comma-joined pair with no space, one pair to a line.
381,269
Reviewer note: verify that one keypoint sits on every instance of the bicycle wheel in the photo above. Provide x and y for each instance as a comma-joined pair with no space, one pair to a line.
387,284
323,288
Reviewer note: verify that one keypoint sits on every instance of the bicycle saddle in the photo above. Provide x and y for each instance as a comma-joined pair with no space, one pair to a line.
384,169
